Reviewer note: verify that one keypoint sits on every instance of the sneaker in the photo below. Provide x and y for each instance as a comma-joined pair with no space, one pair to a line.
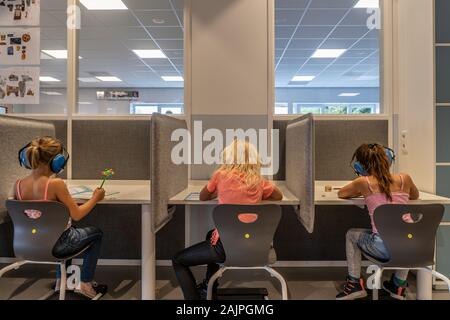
99,290
352,290
202,289
395,291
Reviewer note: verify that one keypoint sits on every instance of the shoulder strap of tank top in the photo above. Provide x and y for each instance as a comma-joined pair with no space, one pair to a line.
401,178
18,194
46,190
368,184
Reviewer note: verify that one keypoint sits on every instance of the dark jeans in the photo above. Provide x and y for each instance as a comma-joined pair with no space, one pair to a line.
72,241
198,254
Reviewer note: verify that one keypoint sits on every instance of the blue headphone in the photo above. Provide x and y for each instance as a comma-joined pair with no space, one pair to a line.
57,164
359,168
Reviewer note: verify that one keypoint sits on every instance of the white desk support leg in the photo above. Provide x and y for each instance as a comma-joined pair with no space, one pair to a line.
148,264
424,285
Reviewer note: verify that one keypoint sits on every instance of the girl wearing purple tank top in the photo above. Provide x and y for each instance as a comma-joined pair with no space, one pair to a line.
378,187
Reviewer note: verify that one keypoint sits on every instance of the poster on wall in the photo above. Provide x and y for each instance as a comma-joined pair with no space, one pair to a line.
20,12
19,46
19,85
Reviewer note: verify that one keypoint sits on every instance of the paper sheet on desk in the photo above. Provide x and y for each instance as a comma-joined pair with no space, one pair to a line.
193,196
79,190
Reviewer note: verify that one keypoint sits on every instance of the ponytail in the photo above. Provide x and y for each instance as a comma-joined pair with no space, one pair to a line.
41,151
373,157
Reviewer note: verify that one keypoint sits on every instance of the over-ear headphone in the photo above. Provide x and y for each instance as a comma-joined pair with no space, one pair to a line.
57,163
363,172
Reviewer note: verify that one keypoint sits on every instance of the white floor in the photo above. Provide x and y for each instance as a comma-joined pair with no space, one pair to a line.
34,282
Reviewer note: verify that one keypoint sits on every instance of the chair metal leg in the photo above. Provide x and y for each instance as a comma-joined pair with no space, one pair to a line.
273,273
212,280
62,288
439,276
13,266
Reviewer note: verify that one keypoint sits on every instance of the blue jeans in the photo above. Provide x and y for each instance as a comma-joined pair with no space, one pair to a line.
72,241
358,240
372,245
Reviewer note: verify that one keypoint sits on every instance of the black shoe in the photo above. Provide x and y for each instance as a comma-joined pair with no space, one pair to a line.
395,291
202,289
352,290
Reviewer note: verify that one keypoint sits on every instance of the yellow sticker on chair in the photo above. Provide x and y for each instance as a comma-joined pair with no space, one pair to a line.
247,236
410,236
33,231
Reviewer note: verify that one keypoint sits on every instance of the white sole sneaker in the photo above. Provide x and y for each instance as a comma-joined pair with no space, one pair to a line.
355,295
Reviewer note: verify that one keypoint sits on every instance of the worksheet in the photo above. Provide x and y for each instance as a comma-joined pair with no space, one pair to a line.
19,85
20,12
20,46
193,196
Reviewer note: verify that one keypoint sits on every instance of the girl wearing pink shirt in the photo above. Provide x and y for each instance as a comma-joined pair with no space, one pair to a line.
237,181
378,187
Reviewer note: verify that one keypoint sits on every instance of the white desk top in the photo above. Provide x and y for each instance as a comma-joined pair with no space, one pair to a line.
138,192
331,198
117,191
195,186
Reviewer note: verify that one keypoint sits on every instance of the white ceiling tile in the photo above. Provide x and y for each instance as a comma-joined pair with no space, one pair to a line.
287,17
304,43
312,32
115,18
147,18
349,32
171,44
333,4
291,4
323,17
338,43
167,33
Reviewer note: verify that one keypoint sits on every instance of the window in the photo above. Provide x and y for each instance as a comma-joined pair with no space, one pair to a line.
327,58
281,108
335,108
134,56
3,110
149,108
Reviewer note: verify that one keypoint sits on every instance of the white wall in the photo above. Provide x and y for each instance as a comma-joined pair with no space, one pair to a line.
414,61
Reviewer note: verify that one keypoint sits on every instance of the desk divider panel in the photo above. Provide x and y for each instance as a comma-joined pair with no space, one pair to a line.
167,178
15,133
300,167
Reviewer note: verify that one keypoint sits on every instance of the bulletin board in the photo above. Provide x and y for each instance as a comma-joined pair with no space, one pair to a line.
19,85
20,46
20,12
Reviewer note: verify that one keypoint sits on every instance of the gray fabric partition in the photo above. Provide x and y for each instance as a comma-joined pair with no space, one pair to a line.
14,134
300,167
123,145
335,142
167,178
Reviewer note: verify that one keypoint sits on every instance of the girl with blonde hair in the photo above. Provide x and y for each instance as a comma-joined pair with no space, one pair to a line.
237,181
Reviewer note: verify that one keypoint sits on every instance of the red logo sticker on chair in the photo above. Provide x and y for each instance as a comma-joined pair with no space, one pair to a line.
247,217
33,214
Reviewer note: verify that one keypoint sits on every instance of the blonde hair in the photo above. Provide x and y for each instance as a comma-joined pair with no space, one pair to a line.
242,157
42,150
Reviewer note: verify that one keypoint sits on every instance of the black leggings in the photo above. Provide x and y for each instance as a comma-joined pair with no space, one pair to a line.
198,254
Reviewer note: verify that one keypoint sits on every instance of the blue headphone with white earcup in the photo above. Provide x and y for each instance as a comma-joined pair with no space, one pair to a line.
363,172
57,164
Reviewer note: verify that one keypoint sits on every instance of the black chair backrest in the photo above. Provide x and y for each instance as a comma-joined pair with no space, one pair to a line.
411,245
37,227
247,244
